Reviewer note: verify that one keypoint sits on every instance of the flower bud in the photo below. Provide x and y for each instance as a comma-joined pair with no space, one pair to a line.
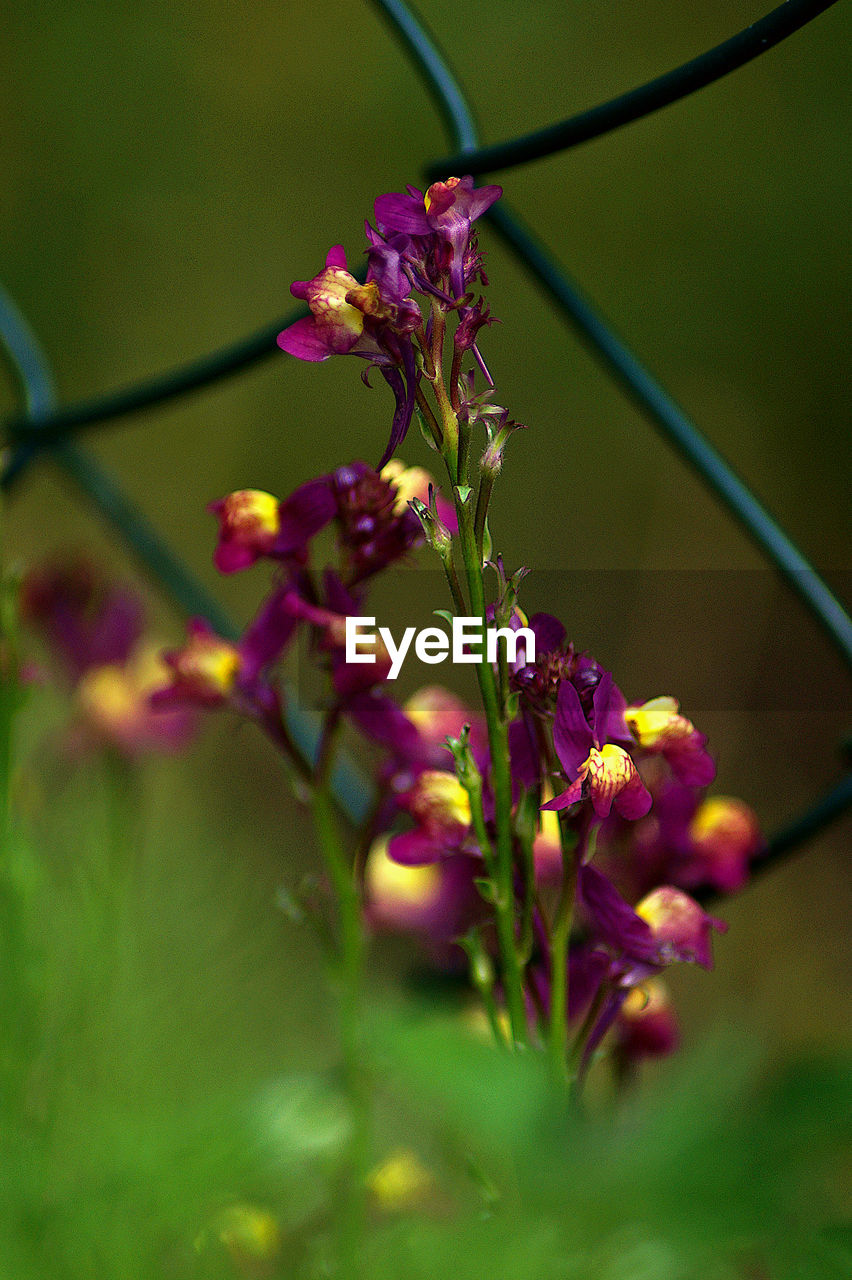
435,531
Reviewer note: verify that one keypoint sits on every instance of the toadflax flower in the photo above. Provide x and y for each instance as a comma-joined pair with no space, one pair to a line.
440,806
725,836
666,926
436,900
96,629
204,672
599,769
374,320
254,524
442,217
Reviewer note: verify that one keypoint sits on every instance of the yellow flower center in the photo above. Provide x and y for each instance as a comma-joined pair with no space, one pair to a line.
249,511
389,884
409,482
657,721
440,799
328,300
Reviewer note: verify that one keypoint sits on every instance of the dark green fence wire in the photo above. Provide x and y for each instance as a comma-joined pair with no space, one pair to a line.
639,102
46,427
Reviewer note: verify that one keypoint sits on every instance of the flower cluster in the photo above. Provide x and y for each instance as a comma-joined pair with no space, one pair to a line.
551,838
374,528
421,242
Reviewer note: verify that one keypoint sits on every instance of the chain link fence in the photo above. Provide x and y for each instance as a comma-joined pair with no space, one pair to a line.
45,427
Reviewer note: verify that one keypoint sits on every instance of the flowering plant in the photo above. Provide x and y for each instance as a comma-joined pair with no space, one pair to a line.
550,848
552,836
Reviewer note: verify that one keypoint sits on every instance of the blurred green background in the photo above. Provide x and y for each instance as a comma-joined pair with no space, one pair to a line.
170,169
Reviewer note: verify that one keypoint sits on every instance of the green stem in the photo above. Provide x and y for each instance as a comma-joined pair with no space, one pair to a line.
525,825
464,452
459,602
498,738
455,375
477,816
498,741
448,416
350,976
483,497
559,941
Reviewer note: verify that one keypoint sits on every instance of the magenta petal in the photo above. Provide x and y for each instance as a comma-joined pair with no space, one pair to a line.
616,729
303,341
633,801
481,199
268,635
571,796
548,631
572,736
416,849
404,390
691,763
336,257
301,516
401,213
601,703
601,801
615,920
230,557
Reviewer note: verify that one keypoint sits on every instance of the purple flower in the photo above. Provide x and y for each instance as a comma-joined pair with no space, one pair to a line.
666,926
438,901
336,325
613,920
596,767
679,926
440,806
254,524
374,320
646,1026
329,623
442,219
115,704
725,836
377,526
204,672
87,620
